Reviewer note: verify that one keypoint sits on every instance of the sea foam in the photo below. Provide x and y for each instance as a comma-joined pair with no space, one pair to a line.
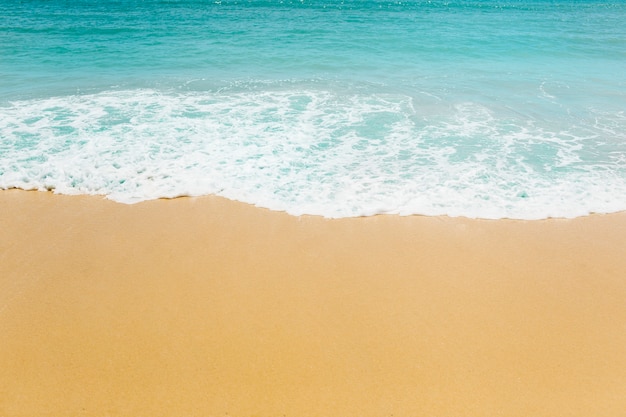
316,151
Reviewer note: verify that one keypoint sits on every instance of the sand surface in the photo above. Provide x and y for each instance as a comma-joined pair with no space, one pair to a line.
207,307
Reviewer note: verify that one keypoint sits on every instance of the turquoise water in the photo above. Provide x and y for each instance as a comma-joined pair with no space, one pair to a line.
487,109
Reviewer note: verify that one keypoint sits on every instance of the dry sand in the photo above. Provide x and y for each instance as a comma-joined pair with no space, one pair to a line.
207,307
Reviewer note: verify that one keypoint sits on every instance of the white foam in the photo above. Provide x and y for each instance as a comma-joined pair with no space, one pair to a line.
314,151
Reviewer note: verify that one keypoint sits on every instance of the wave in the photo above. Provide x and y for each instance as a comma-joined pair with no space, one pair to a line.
308,149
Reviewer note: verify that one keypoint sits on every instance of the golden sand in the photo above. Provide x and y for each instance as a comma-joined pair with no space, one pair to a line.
207,307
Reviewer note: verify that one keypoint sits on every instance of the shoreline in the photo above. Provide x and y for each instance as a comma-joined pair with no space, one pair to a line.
205,306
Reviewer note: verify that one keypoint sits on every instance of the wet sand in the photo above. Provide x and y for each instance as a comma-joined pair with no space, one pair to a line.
207,307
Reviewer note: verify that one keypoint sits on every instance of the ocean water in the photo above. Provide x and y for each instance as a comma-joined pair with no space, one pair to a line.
477,108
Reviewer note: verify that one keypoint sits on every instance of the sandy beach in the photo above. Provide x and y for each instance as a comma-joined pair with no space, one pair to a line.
208,307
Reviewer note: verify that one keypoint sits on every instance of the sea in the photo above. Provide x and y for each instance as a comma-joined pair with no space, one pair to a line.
477,108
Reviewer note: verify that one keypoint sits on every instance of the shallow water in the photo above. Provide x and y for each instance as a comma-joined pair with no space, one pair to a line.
486,109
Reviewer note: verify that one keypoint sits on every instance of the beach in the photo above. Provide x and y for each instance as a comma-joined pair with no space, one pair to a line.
209,307
312,209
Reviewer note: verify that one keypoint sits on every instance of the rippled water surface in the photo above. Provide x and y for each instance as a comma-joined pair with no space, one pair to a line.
486,109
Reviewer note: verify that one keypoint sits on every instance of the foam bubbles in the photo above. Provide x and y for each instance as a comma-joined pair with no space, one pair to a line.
315,151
